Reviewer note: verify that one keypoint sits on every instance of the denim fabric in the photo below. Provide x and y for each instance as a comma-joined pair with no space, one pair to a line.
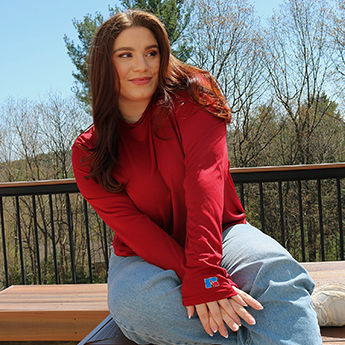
146,301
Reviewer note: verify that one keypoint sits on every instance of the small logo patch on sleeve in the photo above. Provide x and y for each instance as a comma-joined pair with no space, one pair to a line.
211,282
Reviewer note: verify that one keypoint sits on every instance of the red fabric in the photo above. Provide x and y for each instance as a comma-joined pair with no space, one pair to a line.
179,196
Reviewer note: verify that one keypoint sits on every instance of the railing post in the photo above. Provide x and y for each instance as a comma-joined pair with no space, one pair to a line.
4,243
340,216
70,232
37,240
88,239
322,235
20,242
301,225
106,245
57,280
242,195
281,205
262,211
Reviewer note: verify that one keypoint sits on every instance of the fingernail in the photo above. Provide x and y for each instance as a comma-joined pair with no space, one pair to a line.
210,334
252,321
189,315
226,335
214,329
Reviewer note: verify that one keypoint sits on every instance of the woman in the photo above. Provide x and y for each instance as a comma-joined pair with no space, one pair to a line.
154,166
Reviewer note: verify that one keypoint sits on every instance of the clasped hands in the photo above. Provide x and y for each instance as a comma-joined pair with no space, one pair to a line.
213,315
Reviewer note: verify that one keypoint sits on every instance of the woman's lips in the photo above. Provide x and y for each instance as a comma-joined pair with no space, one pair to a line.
141,81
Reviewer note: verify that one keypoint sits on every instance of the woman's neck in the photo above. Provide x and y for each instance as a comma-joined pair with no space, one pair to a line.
132,111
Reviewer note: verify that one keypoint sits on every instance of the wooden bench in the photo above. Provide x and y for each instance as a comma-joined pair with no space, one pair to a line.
51,312
108,333
71,312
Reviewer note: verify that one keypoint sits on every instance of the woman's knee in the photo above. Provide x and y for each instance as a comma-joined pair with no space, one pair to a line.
253,259
246,246
245,242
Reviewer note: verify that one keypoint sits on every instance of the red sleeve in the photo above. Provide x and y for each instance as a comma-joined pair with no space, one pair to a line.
143,236
203,139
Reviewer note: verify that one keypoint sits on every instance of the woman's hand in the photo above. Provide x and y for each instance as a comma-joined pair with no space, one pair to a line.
229,310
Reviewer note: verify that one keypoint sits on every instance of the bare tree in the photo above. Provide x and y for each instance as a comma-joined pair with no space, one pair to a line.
61,121
228,43
39,137
20,120
299,62
37,145
339,37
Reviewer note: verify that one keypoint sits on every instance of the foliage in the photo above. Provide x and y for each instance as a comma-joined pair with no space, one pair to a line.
339,37
86,29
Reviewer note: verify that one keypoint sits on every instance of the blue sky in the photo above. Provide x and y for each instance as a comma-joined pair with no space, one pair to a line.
33,58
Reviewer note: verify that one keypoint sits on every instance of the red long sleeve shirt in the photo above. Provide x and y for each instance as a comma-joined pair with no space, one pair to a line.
179,196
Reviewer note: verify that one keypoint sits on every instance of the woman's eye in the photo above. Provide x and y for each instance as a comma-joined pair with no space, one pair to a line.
125,55
152,53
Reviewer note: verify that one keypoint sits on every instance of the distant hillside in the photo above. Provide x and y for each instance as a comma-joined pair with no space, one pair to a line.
45,166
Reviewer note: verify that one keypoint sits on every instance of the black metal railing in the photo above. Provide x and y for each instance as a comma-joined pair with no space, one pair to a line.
331,174
49,233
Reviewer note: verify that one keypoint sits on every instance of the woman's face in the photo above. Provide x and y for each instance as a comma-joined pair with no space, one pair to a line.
137,59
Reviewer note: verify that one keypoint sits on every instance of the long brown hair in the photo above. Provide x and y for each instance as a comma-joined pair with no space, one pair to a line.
105,88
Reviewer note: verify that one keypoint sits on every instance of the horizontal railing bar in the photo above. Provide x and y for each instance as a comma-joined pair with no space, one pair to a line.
321,166
248,175
288,173
65,181
26,188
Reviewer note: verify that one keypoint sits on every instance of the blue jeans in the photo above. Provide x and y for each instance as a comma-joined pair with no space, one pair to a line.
146,302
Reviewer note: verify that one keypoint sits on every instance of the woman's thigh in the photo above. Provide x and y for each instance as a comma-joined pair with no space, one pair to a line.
261,267
146,303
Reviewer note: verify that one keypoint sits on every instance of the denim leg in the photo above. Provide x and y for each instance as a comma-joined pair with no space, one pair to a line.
261,267
146,304
146,301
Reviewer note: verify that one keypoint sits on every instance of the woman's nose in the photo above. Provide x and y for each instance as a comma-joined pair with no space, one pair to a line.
140,64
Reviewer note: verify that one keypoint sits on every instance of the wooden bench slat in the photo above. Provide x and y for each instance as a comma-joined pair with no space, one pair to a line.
326,272
48,326
52,306
51,312
57,289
